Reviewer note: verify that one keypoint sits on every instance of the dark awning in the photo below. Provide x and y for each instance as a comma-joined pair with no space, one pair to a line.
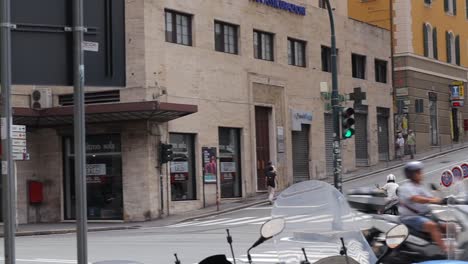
98,113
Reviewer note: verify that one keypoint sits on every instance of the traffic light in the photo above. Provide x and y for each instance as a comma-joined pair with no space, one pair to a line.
166,153
348,123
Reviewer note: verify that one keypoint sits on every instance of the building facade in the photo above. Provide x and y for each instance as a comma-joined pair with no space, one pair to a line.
430,66
231,85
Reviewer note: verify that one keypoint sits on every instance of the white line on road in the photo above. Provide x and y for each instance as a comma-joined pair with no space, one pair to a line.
252,221
195,223
226,221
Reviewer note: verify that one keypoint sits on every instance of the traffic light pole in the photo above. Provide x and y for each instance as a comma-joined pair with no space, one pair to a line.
335,104
8,175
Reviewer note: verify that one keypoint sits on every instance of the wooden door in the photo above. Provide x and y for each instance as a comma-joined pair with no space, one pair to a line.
262,129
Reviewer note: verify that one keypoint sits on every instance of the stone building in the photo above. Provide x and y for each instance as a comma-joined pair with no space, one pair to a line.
246,82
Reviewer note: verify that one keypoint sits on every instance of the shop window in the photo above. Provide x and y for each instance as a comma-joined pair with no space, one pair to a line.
103,177
230,162
182,168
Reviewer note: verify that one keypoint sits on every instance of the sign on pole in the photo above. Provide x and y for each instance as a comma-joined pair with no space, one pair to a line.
464,167
446,179
457,172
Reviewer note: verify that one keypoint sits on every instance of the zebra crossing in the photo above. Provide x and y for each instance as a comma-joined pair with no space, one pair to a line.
252,220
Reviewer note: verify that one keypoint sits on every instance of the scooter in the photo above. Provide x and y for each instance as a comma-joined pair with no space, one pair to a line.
372,201
419,246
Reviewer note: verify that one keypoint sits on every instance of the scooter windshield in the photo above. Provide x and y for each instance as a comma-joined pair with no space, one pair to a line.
317,218
455,215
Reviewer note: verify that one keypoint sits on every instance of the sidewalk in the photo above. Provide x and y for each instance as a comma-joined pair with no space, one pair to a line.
387,165
65,228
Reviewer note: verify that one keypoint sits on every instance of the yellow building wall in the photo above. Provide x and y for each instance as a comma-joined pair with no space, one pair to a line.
436,16
375,12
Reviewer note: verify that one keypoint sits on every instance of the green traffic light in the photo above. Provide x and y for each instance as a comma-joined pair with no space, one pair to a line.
348,133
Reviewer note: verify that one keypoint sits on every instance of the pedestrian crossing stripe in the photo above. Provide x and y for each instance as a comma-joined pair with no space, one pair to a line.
260,220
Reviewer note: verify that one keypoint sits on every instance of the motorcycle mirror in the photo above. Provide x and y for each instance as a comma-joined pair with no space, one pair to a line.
272,228
216,259
396,236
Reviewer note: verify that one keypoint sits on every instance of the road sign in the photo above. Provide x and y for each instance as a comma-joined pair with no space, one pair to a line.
19,149
457,172
464,167
446,179
20,156
19,142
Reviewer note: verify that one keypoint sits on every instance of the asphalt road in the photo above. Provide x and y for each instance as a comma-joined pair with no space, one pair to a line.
194,240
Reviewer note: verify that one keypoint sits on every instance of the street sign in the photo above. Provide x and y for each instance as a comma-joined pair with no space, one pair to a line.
18,128
20,156
457,172
19,142
446,179
464,167
19,149
18,135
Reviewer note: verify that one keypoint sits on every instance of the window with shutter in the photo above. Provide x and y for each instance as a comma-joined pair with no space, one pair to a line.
434,43
457,50
448,47
446,5
454,7
466,8
426,40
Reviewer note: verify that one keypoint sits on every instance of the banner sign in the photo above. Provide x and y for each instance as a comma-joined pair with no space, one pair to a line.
210,170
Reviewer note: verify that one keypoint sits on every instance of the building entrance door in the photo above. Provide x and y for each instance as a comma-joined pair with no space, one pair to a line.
433,122
262,132
300,148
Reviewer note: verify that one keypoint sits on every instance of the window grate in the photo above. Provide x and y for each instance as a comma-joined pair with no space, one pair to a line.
92,98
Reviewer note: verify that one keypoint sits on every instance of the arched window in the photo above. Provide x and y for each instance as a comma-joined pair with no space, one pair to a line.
451,49
428,40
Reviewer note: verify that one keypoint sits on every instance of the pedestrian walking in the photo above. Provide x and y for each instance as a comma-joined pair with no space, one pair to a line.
272,181
411,142
400,146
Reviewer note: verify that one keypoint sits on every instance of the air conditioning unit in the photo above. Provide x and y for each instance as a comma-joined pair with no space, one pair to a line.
41,98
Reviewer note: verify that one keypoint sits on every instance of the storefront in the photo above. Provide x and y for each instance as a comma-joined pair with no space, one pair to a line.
230,162
182,168
103,177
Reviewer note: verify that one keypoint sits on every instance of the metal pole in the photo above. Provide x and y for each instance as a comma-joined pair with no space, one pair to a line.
335,105
80,133
8,174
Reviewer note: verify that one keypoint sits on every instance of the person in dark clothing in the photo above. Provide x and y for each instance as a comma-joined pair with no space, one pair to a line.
271,181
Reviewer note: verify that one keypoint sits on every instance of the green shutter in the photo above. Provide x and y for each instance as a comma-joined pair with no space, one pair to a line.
434,43
457,50
449,48
426,41
446,5
454,7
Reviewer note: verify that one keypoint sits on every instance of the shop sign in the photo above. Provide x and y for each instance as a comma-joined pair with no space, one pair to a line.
228,167
96,169
299,118
281,143
457,91
210,170
104,147
283,5
93,179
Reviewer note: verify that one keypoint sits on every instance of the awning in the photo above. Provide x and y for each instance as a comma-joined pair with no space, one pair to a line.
99,113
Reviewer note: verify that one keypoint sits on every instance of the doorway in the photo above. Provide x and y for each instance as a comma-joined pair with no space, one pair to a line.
262,133
300,148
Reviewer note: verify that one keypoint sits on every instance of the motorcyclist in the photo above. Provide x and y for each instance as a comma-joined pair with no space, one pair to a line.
414,200
391,187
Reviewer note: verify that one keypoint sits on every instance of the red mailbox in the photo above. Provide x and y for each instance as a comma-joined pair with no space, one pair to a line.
35,192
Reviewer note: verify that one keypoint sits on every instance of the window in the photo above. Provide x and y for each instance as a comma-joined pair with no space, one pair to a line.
450,6
230,157
435,51
326,59
359,66
263,45
296,52
381,71
428,2
466,8
428,38
322,4
226,37
453,48
182,167
178,28
419,105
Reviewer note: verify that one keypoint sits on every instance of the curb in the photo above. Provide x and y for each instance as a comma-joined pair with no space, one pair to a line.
367,174
246,205
70,231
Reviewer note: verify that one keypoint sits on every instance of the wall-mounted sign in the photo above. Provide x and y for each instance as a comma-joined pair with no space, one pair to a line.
283,5
96,169
300,117
457,91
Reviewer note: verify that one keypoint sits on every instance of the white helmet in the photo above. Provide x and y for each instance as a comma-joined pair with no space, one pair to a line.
390,177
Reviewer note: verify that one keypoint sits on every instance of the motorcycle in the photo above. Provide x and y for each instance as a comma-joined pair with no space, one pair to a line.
372,201
419,246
